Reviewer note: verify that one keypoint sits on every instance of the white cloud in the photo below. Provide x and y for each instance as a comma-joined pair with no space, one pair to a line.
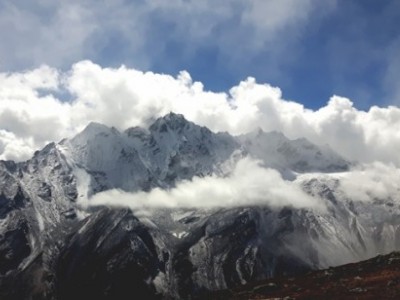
62,32
53,32
371,182
248,184
14,148
33,113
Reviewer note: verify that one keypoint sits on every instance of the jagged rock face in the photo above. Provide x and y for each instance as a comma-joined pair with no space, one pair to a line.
184,149
14,247
112,256
38,208
233,248
137,159
41,192
52,248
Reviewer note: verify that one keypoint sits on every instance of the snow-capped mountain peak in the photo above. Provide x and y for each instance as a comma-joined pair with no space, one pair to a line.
171,121
91,131
300,155
173,148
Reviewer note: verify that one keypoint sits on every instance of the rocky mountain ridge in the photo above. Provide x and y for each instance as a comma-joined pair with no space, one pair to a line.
50,243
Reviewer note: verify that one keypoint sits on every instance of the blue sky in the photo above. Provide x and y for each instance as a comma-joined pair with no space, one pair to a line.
311,49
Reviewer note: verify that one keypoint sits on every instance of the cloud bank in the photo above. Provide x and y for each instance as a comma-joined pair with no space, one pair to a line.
248,184
373,182
45,104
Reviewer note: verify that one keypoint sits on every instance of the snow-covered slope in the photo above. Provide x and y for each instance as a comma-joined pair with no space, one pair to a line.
176,149
50,244
300,155
108,158
171,149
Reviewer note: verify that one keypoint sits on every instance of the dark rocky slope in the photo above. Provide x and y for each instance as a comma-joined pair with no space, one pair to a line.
376,278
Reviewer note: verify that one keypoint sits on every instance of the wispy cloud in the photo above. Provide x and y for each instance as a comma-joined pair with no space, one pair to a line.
60,33
248,184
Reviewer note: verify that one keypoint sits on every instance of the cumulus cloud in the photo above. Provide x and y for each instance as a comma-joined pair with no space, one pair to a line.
248,184
371,182
28,118
45,105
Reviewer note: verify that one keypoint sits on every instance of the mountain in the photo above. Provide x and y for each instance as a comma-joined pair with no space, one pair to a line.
54,246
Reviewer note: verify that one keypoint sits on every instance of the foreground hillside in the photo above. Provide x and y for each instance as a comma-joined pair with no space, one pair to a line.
376,278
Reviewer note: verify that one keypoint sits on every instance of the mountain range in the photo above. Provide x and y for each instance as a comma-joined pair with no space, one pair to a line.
55,245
